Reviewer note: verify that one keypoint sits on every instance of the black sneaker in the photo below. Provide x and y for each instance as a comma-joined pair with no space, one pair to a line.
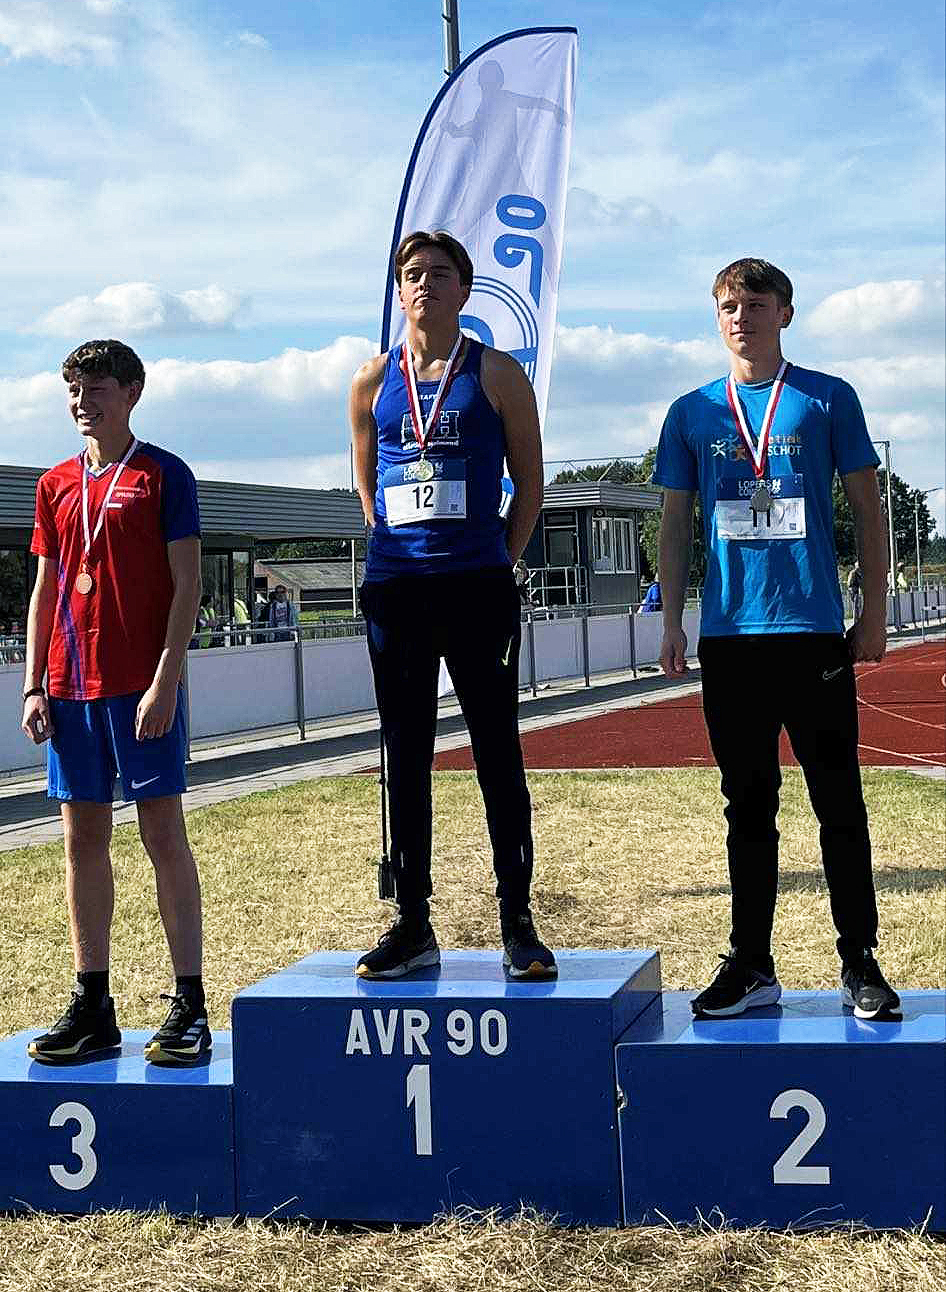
183,1037
405,946
82,1030
525,955
739,985
866,990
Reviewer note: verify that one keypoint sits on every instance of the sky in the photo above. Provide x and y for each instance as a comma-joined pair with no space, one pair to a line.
215,183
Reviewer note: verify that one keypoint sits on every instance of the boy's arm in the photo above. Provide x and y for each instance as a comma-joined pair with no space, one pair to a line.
39,628
673,562
156,707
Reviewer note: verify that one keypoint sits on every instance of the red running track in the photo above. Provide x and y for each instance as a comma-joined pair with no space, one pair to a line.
902,704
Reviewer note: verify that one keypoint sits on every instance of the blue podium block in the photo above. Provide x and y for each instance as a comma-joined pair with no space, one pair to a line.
796,1114
458,1087
116,1132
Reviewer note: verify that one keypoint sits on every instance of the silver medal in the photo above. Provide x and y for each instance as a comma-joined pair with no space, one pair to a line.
423,469
761,499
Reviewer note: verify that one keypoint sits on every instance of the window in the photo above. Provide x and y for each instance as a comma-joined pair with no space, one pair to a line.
624,562
602,545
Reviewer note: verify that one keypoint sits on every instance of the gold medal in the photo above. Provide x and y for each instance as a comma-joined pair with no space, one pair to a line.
84,582
424,470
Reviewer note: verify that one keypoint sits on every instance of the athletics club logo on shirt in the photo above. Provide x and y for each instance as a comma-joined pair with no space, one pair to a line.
446,434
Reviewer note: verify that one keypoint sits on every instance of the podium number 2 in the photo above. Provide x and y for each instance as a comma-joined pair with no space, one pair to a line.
788,1168
81,1146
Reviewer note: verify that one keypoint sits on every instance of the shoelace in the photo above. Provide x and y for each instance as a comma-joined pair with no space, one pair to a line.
179,1006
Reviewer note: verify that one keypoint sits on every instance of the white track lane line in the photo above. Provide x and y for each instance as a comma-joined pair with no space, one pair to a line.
866,704
896,753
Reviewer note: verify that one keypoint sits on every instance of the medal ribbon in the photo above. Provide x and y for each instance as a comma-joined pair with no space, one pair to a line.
423,428
758,453
90,538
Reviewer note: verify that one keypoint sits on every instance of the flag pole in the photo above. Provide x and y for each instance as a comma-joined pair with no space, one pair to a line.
451,36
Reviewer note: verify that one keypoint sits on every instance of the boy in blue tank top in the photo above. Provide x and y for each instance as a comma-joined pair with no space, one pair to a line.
432,422
762,446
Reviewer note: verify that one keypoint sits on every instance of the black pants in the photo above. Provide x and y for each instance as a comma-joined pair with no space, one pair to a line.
752,687
472,621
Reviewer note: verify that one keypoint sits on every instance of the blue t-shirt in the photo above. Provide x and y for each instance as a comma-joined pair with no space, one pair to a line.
467,447
764,585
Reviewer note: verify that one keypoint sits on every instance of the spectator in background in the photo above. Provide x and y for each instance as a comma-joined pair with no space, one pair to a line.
652,600
902,584
855,584
241,620
281,617
206,622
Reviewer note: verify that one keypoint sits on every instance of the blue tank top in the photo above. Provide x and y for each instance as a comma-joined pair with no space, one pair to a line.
467,445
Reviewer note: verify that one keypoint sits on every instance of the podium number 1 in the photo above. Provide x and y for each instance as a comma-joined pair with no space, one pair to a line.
788,1168
418,1094
81,1146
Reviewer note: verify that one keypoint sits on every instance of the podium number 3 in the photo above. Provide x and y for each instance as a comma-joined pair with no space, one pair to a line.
81,1146
788,1168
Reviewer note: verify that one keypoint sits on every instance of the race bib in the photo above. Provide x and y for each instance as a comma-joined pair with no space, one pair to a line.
785,517
411,500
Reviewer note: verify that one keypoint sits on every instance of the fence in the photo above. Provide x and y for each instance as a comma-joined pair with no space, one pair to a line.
251,684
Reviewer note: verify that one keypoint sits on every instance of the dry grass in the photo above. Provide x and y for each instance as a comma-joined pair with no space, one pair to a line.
623,859
119,1252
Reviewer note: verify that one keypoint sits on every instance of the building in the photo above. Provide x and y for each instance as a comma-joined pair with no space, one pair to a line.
583,551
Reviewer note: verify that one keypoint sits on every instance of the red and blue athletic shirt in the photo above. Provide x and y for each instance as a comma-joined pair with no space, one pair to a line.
108,642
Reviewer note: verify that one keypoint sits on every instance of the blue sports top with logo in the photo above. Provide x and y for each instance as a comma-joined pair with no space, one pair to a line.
771,569
442,514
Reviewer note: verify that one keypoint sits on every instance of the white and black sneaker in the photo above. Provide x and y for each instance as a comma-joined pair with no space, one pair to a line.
406,946
183,1037
739,985
865,989
82,1031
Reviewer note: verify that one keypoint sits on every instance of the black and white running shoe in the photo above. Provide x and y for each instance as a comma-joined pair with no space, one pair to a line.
865,989
739,985
406,946
83,1030
183,1037
525,955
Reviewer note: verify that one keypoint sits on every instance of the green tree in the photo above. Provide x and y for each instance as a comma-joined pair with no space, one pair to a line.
310,549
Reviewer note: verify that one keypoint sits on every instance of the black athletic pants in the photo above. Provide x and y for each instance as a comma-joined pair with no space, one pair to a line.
472,621
752,687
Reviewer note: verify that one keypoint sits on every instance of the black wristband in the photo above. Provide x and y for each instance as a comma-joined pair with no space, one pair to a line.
34,690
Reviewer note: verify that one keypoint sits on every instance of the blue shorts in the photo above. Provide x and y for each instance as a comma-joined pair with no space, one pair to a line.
93,741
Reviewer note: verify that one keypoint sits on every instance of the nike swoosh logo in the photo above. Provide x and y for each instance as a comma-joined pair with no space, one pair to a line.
137,785
834,672
505,658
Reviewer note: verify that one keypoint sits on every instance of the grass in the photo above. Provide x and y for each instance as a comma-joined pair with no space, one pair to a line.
623,859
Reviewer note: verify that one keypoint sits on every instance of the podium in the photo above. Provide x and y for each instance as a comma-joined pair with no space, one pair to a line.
595,1098
796,1114
116,1132
395,1100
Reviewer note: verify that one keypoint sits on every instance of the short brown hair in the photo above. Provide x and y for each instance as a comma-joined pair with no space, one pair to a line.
753,275
104,359
440,240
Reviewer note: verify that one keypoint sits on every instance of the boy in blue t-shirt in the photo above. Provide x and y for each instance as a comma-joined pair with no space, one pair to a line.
762,446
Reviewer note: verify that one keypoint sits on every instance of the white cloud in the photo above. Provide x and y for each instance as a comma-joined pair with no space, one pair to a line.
33,29
879,308
134,309
601,365
253,39
587,211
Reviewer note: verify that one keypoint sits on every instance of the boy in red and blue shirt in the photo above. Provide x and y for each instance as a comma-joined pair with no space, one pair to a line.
117,538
